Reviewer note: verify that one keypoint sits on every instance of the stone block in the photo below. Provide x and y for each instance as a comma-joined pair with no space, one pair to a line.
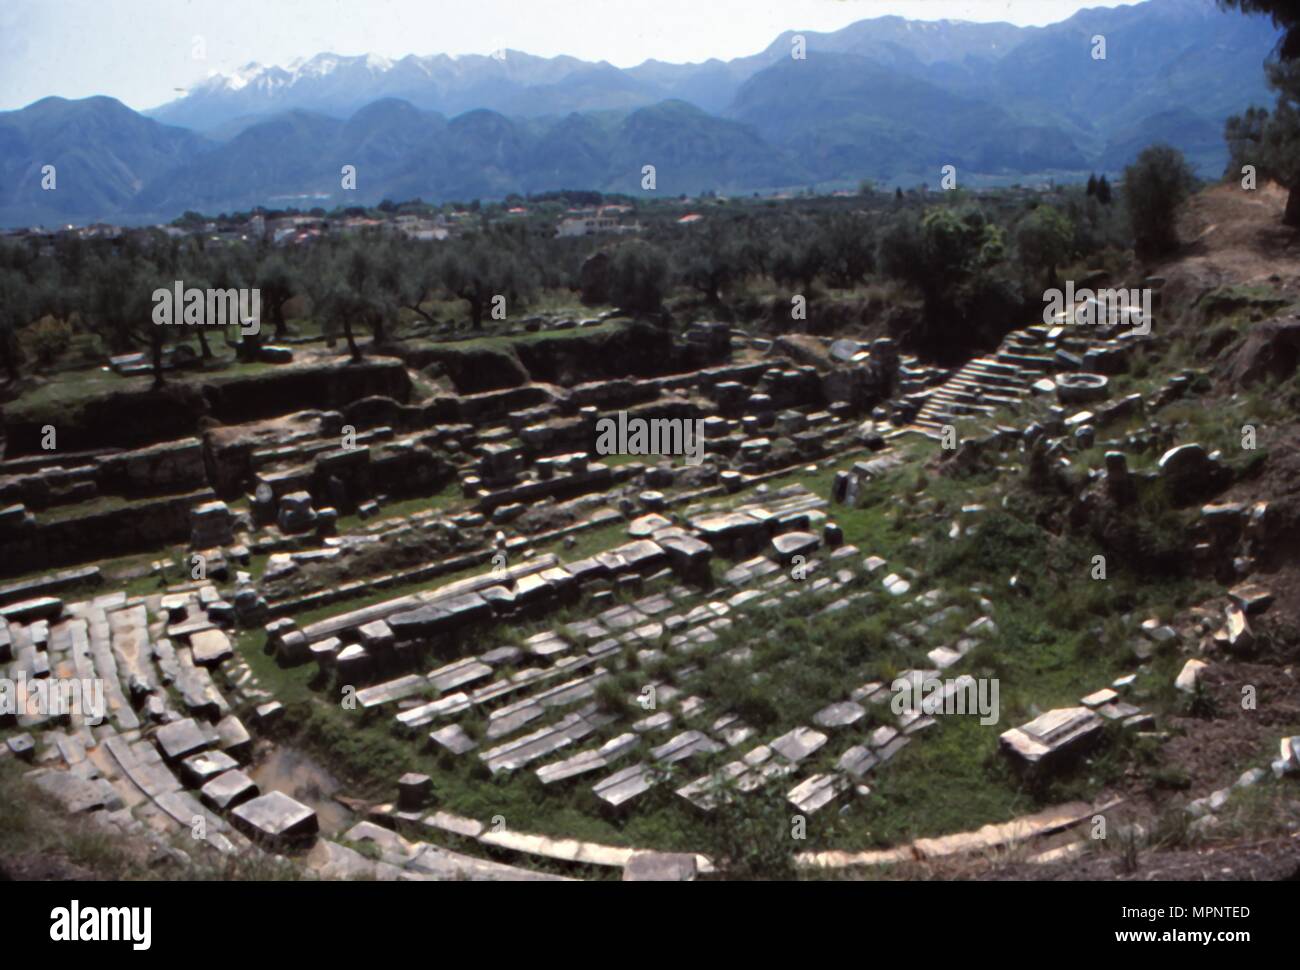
275,819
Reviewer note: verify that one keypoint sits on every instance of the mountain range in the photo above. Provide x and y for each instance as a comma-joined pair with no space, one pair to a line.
887,99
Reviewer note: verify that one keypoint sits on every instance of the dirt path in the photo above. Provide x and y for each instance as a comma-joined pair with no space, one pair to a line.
1235,237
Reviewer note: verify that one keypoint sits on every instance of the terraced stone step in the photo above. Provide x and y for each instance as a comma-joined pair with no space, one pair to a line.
962,396
991,364
984,375
954,407
1027,362
519,752
931,424
972,384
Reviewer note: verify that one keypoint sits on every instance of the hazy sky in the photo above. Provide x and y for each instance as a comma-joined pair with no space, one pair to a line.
140,51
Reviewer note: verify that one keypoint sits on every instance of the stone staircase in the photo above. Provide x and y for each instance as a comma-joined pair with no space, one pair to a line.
984,384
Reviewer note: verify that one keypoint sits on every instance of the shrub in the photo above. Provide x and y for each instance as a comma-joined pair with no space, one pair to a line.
45,341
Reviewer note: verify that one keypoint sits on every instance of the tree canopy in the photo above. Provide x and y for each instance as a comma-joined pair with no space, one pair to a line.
1270,142
1155,185
1285,15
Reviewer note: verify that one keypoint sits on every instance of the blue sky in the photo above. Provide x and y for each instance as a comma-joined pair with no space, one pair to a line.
140,51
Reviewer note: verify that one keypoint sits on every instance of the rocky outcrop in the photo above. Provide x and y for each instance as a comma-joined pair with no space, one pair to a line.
1270,351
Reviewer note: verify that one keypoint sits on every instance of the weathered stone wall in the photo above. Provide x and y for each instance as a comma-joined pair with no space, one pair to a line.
229,464
168,467
326,388
380,412
471,370
123,420
137,418
638,349
142,526
159,469
471,409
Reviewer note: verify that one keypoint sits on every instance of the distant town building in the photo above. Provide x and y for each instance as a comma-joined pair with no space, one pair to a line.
101,230
289,230
594,222
425,232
